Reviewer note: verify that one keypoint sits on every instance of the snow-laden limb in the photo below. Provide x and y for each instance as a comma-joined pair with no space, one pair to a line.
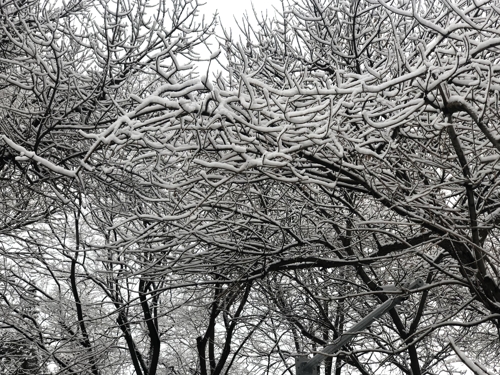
25,155
458,103
475,367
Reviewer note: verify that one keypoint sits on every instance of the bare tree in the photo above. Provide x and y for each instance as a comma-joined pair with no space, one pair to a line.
358,137
349,149
69,74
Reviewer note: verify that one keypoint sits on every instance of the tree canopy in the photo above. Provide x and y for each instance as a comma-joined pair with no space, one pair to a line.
158,221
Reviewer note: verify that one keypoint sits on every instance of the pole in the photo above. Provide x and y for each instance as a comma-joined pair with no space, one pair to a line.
307,367
301,367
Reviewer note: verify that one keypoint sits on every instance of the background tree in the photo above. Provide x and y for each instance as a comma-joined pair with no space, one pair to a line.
68,74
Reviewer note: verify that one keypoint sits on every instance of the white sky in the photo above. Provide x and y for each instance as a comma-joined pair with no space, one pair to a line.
228,10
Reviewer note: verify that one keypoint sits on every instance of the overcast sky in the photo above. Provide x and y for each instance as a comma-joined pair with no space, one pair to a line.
228,10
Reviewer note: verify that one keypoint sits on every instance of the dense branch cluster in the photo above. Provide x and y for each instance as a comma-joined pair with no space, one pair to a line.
155,220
